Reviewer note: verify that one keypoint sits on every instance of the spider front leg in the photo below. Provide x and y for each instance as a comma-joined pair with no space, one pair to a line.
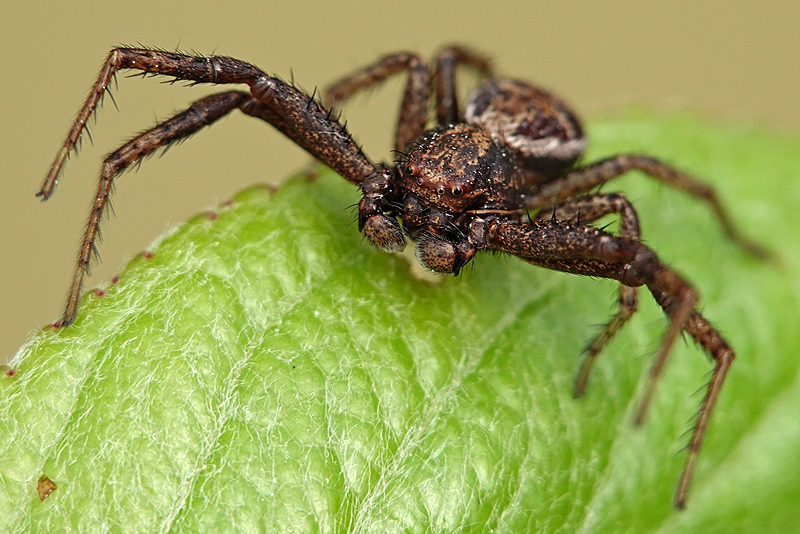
289,110
588,251
201,113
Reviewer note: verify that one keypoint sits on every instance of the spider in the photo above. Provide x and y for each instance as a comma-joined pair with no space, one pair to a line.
503,175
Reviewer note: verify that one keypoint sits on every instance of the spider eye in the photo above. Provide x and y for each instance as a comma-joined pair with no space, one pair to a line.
409,169
456,191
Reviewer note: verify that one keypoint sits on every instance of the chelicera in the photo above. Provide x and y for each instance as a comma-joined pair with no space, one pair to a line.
503,175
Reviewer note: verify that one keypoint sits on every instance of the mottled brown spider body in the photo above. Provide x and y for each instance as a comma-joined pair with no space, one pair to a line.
501,176
537,127
516,137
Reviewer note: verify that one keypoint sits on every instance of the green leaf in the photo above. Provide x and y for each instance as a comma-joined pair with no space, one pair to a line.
266,370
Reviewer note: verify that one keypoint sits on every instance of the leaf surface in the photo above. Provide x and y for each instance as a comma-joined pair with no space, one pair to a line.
266,370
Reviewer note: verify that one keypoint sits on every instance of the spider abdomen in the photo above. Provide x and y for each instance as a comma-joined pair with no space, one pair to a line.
541,130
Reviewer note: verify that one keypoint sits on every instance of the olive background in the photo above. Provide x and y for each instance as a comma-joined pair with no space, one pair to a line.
731,62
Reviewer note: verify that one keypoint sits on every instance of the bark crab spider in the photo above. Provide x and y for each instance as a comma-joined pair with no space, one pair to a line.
503,175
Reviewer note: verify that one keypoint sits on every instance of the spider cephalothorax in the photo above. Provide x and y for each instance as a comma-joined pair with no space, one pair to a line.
500,176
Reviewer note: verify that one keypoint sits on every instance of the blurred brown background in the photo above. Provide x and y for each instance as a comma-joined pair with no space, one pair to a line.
737,62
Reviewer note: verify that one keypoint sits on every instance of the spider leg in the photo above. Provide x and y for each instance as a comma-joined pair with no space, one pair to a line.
588,251
715,345
445,78
704,334
414,107
582,180
290,110
201,113
304,120
587,209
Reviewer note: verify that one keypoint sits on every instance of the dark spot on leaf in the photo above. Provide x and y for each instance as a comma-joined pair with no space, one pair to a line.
45,487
